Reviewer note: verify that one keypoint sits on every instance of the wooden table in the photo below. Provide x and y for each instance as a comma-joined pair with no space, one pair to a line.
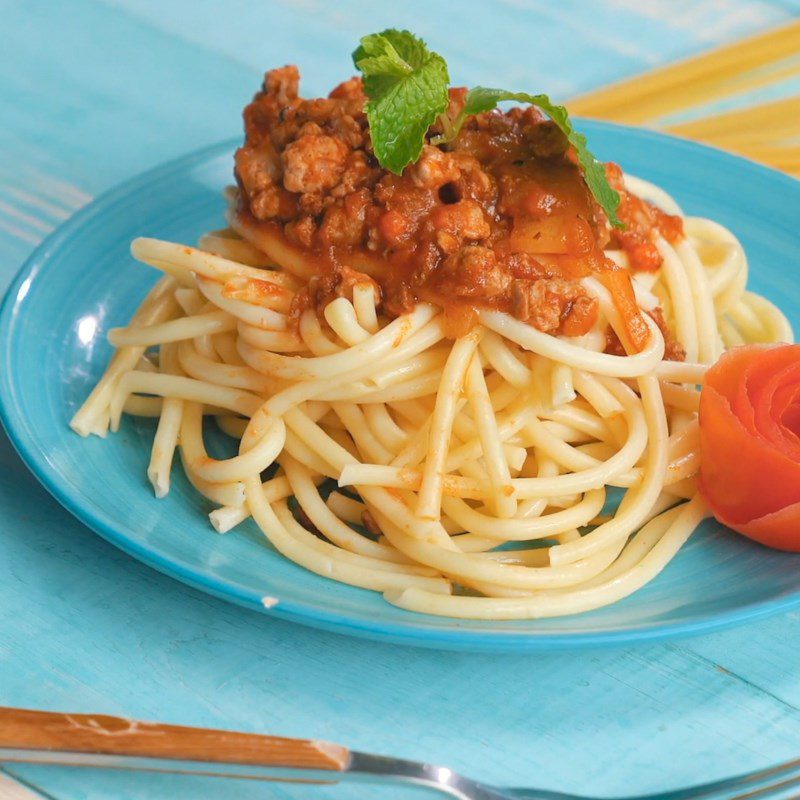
92,92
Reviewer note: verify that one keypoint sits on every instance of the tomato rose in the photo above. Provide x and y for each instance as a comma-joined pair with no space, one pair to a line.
750,443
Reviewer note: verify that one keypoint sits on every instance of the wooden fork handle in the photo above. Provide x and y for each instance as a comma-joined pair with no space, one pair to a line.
23,729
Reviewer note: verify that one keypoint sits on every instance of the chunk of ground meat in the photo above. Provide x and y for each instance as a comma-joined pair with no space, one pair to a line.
343,224
546,303
358,172
301,231
525,266
274,202
351,92
301,156
323,289
434,168
458,222
283,83
258,168
473,183
313,163
473,272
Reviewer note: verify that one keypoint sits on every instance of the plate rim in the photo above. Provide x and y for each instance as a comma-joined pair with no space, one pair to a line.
453,638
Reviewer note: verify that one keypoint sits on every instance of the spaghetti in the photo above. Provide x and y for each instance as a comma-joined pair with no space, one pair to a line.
468,477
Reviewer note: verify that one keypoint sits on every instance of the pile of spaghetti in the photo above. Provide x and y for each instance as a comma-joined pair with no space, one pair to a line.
460,462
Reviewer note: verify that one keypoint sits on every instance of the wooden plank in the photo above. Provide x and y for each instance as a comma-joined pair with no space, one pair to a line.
531,45
113,636
77,125
90,94
11,789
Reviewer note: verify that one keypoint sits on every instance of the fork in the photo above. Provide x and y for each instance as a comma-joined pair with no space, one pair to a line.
91,740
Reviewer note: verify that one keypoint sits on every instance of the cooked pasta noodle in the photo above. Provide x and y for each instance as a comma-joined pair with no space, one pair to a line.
467,477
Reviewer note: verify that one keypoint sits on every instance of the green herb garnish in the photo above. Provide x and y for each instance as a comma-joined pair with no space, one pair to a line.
482,99
407,89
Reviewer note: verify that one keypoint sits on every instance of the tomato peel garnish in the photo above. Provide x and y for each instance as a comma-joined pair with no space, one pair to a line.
749,443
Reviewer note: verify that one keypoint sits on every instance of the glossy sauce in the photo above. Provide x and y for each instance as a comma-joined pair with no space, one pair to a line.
501,218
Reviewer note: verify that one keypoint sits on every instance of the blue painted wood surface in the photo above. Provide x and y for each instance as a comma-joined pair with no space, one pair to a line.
92,92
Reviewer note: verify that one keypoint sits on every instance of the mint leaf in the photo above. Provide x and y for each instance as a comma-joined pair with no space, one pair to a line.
482,99
376,57
406,85
407,89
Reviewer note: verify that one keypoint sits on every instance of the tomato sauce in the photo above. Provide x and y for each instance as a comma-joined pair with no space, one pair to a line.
500,218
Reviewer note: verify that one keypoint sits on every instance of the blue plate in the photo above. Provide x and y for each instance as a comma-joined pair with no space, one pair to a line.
82,281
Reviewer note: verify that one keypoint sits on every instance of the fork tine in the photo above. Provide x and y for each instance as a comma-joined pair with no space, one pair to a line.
770,790
761,783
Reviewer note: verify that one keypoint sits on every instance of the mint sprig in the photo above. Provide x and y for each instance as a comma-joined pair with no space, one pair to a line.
407,89
481,99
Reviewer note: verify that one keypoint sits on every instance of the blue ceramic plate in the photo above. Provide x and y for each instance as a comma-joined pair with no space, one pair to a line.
82,281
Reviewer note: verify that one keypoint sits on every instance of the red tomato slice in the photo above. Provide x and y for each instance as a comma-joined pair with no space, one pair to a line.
779,530
749,443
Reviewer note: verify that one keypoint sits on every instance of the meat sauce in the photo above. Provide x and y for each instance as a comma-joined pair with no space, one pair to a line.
500,218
